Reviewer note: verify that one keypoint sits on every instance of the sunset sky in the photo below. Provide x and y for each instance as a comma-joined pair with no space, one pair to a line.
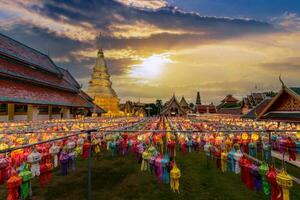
157,47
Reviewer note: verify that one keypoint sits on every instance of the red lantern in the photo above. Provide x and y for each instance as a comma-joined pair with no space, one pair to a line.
13,184
276,192
85,150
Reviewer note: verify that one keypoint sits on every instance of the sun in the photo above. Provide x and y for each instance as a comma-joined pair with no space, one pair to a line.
150,67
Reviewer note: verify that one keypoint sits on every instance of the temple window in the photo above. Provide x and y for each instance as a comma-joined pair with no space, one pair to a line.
20,109
3,109
43,110
56,110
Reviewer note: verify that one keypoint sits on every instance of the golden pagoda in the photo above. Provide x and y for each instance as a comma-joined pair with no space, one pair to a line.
100,86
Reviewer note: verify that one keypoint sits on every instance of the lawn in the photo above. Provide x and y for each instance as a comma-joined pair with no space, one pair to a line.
120,177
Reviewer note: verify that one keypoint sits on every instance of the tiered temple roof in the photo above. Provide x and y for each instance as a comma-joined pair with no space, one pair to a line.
173,108
30,77
229,105
285,106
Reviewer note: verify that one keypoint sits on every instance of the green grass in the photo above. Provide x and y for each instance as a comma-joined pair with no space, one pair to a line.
120,178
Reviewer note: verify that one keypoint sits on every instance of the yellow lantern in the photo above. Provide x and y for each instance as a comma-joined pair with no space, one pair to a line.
285,182
254,137
244,136
298,135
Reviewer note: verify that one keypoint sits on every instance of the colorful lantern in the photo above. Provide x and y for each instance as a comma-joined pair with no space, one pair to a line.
175,175
285,182
63,159
224,156
263,169
165,164
54,150
34,159
26,176
237,155
4,162
276,192
13,184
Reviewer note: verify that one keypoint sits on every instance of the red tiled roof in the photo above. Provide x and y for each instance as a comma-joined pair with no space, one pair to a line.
19,51
69,78
19,70
230,99
22,92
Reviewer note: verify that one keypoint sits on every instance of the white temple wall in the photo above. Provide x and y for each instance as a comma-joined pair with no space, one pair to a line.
3,118
20,118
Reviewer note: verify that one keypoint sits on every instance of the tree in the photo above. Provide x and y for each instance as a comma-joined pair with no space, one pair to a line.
191,105
159,106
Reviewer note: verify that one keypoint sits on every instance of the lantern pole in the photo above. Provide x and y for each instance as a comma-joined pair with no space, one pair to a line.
90,166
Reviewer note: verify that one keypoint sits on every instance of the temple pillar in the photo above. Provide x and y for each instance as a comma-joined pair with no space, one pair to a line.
29,112
11,111
66,113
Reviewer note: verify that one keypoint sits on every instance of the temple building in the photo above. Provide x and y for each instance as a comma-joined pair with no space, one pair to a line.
255,111
184,105
173,108
33,88
285,106
229,106
202,108
100,86
130,108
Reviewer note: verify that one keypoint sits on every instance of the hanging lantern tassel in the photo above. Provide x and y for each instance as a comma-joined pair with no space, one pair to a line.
263,169
34,159
175,175
85,150
231,159
145,164
252,149
267,152
276,193
238,154
3,169
71,151
46,173
158,168
285,182
165,163
224,156
256,176
54,150
112,146
26,176
13,184
63,159
291,145
242,163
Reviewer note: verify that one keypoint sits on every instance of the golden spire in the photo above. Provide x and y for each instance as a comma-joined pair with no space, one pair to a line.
100,86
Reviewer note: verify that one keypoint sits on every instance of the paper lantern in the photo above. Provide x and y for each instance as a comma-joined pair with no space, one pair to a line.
175,175
285,182
254,137
244,136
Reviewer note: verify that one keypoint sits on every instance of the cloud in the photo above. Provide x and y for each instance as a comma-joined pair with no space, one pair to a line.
215,55
284,65
288,21
152,4
21,13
